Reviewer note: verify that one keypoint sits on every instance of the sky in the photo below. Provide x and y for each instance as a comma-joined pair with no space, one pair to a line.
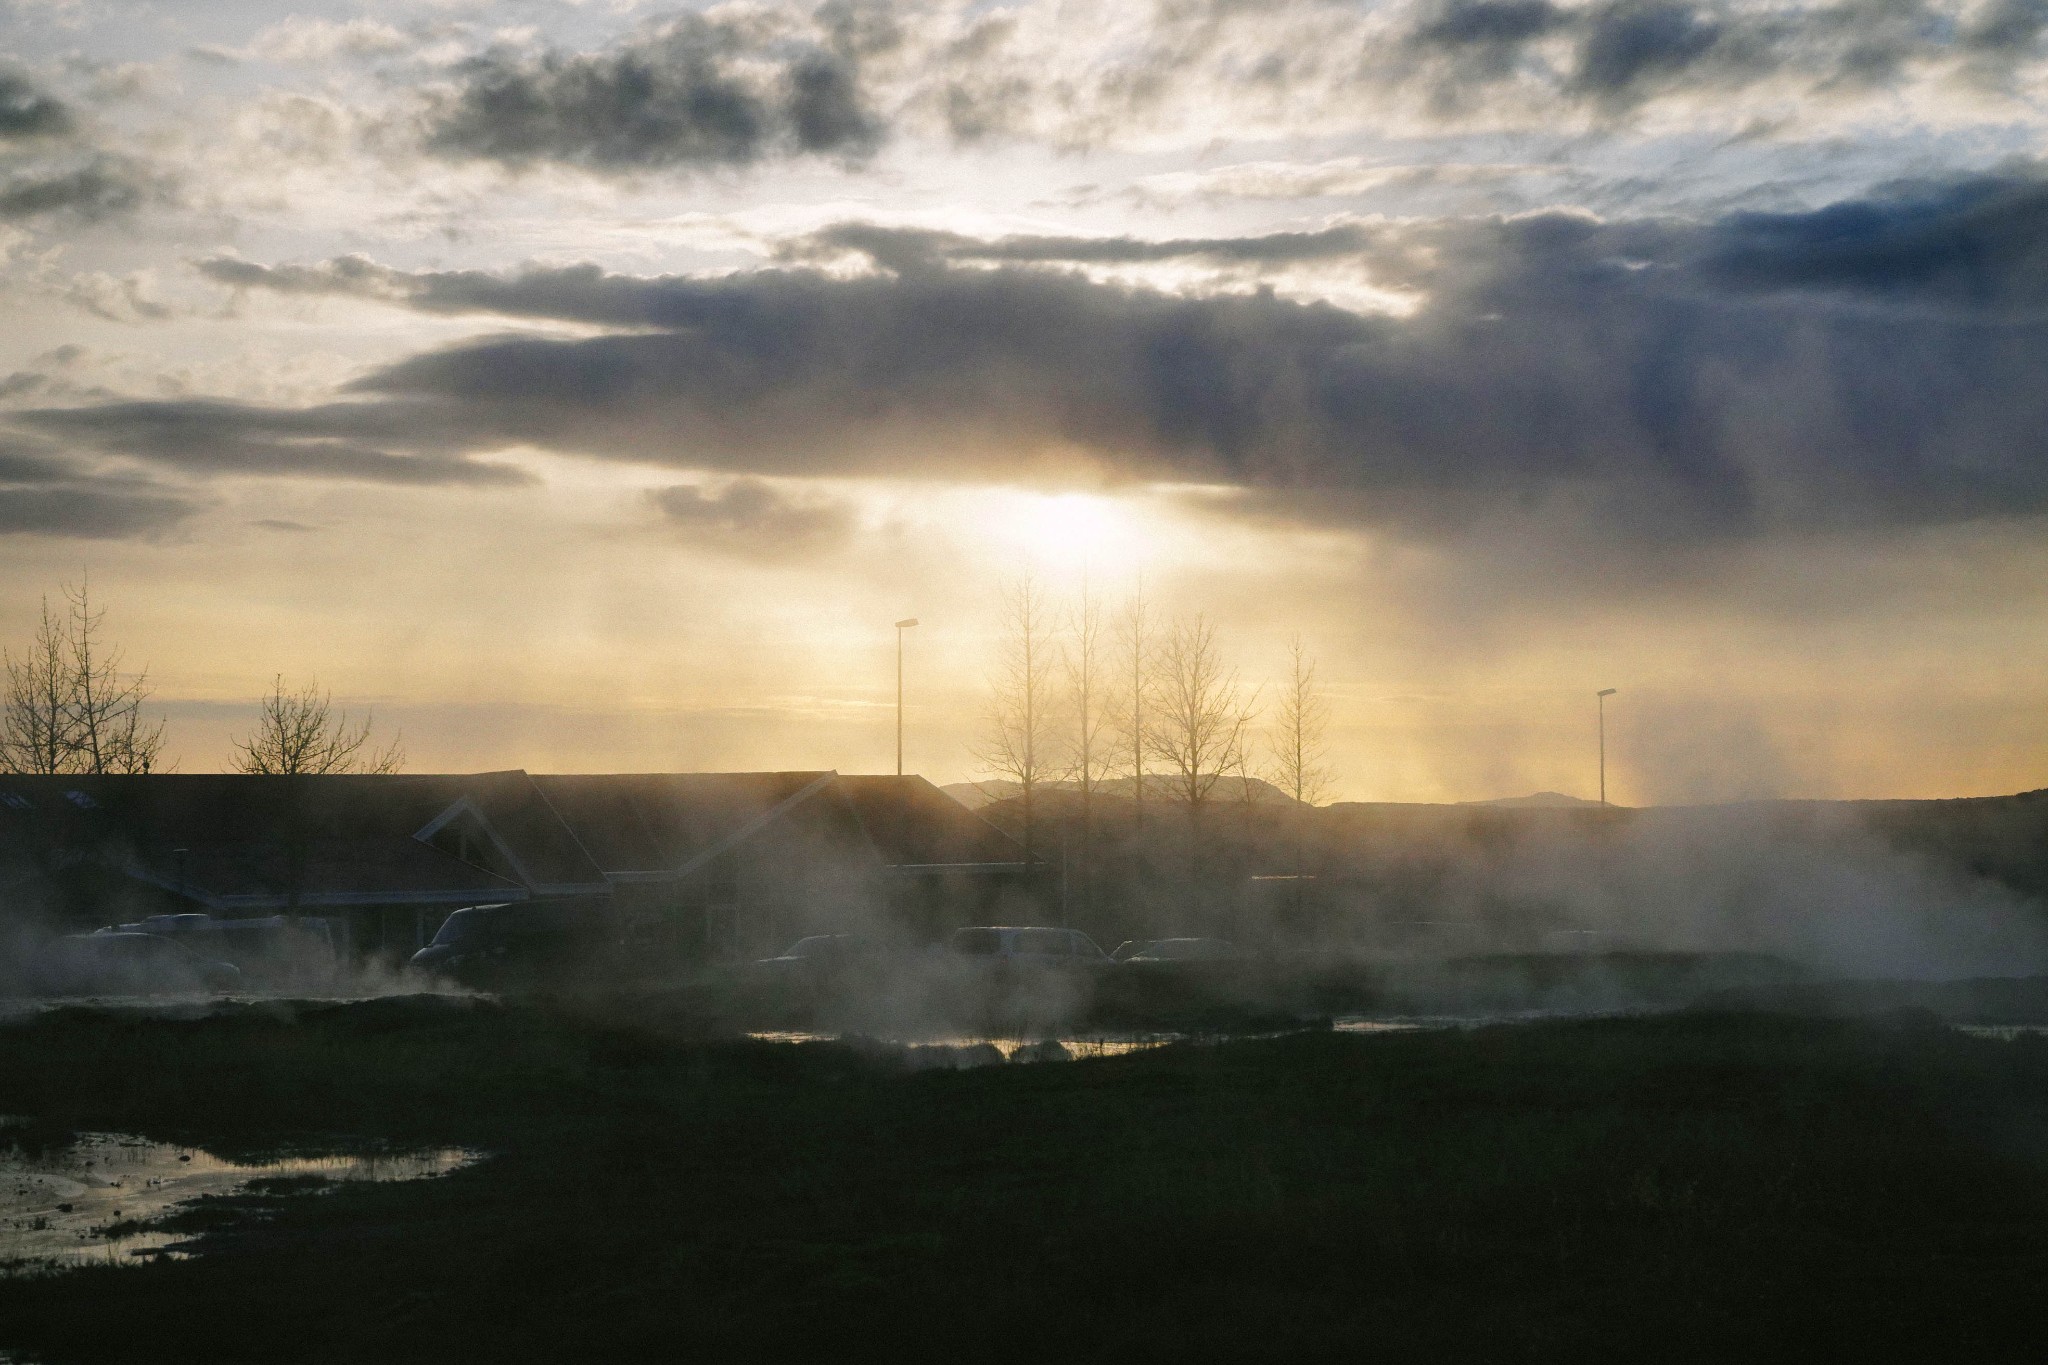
587,385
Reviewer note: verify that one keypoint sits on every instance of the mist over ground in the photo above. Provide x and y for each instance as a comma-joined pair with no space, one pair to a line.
1904,889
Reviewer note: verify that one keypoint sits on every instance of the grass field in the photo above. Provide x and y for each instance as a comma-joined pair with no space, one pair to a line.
1687,1187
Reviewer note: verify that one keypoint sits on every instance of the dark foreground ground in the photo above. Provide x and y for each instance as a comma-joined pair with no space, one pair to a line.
1690,1187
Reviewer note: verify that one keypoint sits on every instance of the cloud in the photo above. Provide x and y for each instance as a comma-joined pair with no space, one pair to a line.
42,494
742,85
1656,383
1613,58
314,41
30,462
693,92
335,441
586,294
1083,74
52,167
2008,30
89,513
27,112
751,516
1980,246
1339,177
580,293
104,187
899,249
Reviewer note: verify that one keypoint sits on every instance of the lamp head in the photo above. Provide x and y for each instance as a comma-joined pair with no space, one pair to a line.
1605,692
911,622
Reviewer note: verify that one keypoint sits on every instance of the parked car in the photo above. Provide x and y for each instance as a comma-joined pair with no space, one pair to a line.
522,944
1027,946
823,952
128,964
274,952
1178,950
824,966
824,948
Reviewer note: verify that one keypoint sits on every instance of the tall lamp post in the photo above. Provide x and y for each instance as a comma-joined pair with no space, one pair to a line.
901,626
1600,698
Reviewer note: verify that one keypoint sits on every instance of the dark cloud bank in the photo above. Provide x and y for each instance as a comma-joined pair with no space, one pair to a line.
27,112
689,92
1620,54
750,516
42,493
737,87
1875,364
47,168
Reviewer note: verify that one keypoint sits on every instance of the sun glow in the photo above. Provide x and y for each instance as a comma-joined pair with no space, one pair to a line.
1062,531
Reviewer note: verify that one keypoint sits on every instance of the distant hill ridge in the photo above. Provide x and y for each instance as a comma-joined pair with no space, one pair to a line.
1535,799
975,795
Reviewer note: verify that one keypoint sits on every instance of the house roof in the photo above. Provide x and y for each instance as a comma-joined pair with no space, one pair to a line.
663,822
914,824
239,840
242,839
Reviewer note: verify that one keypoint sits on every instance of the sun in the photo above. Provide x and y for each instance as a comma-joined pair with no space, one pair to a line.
1061,531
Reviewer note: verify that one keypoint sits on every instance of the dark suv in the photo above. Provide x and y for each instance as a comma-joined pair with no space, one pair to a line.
128,964
493,947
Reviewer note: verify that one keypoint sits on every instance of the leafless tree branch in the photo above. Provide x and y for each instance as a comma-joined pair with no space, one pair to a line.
298,735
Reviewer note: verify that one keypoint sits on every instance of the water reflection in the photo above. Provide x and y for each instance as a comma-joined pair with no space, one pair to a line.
2004,1033
961,1050
95,1199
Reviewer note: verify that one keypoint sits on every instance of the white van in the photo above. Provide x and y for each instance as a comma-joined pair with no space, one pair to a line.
1027,945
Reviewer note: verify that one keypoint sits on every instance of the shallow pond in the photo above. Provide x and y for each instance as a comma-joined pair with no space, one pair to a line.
92,1201
2004,1032
963,1050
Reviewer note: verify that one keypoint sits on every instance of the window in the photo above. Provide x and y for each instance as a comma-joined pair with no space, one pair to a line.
984,942
1050,942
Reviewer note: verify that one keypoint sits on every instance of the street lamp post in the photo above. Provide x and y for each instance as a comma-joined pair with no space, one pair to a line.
1601,698
901,626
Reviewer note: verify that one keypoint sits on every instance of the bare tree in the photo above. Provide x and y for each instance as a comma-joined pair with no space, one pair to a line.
297,735
69,707
1088,714
1135,654
108,732
35,734
1200,724
1300,766
1202,718
1299,757
1020,739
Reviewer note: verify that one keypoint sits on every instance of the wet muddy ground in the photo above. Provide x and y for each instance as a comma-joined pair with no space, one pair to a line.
104,1197
1678,1187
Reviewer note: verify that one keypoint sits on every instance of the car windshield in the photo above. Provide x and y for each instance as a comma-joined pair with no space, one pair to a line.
1187,948
982,942
462,924
1051,942
137,948
543,919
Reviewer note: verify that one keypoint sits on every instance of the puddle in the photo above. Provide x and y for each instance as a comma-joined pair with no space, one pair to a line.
963,1050
1432,1023
82,1203
1359,1024
2004,1033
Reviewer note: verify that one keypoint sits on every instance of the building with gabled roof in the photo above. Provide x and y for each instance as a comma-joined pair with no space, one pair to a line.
715,864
